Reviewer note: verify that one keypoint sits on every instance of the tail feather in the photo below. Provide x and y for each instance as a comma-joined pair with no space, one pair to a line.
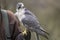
42,33
45,32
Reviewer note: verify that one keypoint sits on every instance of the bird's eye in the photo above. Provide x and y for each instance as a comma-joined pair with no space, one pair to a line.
19,7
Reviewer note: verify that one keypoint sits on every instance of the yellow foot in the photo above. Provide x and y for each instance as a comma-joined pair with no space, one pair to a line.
24,32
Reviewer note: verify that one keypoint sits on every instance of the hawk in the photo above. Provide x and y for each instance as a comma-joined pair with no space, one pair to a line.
29,20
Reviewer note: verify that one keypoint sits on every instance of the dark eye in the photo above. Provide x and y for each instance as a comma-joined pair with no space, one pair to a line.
19,7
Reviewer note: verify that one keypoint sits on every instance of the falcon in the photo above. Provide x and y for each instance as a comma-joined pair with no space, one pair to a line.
29,20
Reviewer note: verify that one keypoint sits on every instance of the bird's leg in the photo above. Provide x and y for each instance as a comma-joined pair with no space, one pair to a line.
37,36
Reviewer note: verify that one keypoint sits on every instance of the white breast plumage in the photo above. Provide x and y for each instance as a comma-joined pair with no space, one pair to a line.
21,14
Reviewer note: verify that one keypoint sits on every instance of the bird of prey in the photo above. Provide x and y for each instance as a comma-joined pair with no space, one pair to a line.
29,20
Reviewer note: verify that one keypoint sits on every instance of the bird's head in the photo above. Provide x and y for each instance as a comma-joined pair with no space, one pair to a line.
20,5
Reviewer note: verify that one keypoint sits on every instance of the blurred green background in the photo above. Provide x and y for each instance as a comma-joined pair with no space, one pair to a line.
47,12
